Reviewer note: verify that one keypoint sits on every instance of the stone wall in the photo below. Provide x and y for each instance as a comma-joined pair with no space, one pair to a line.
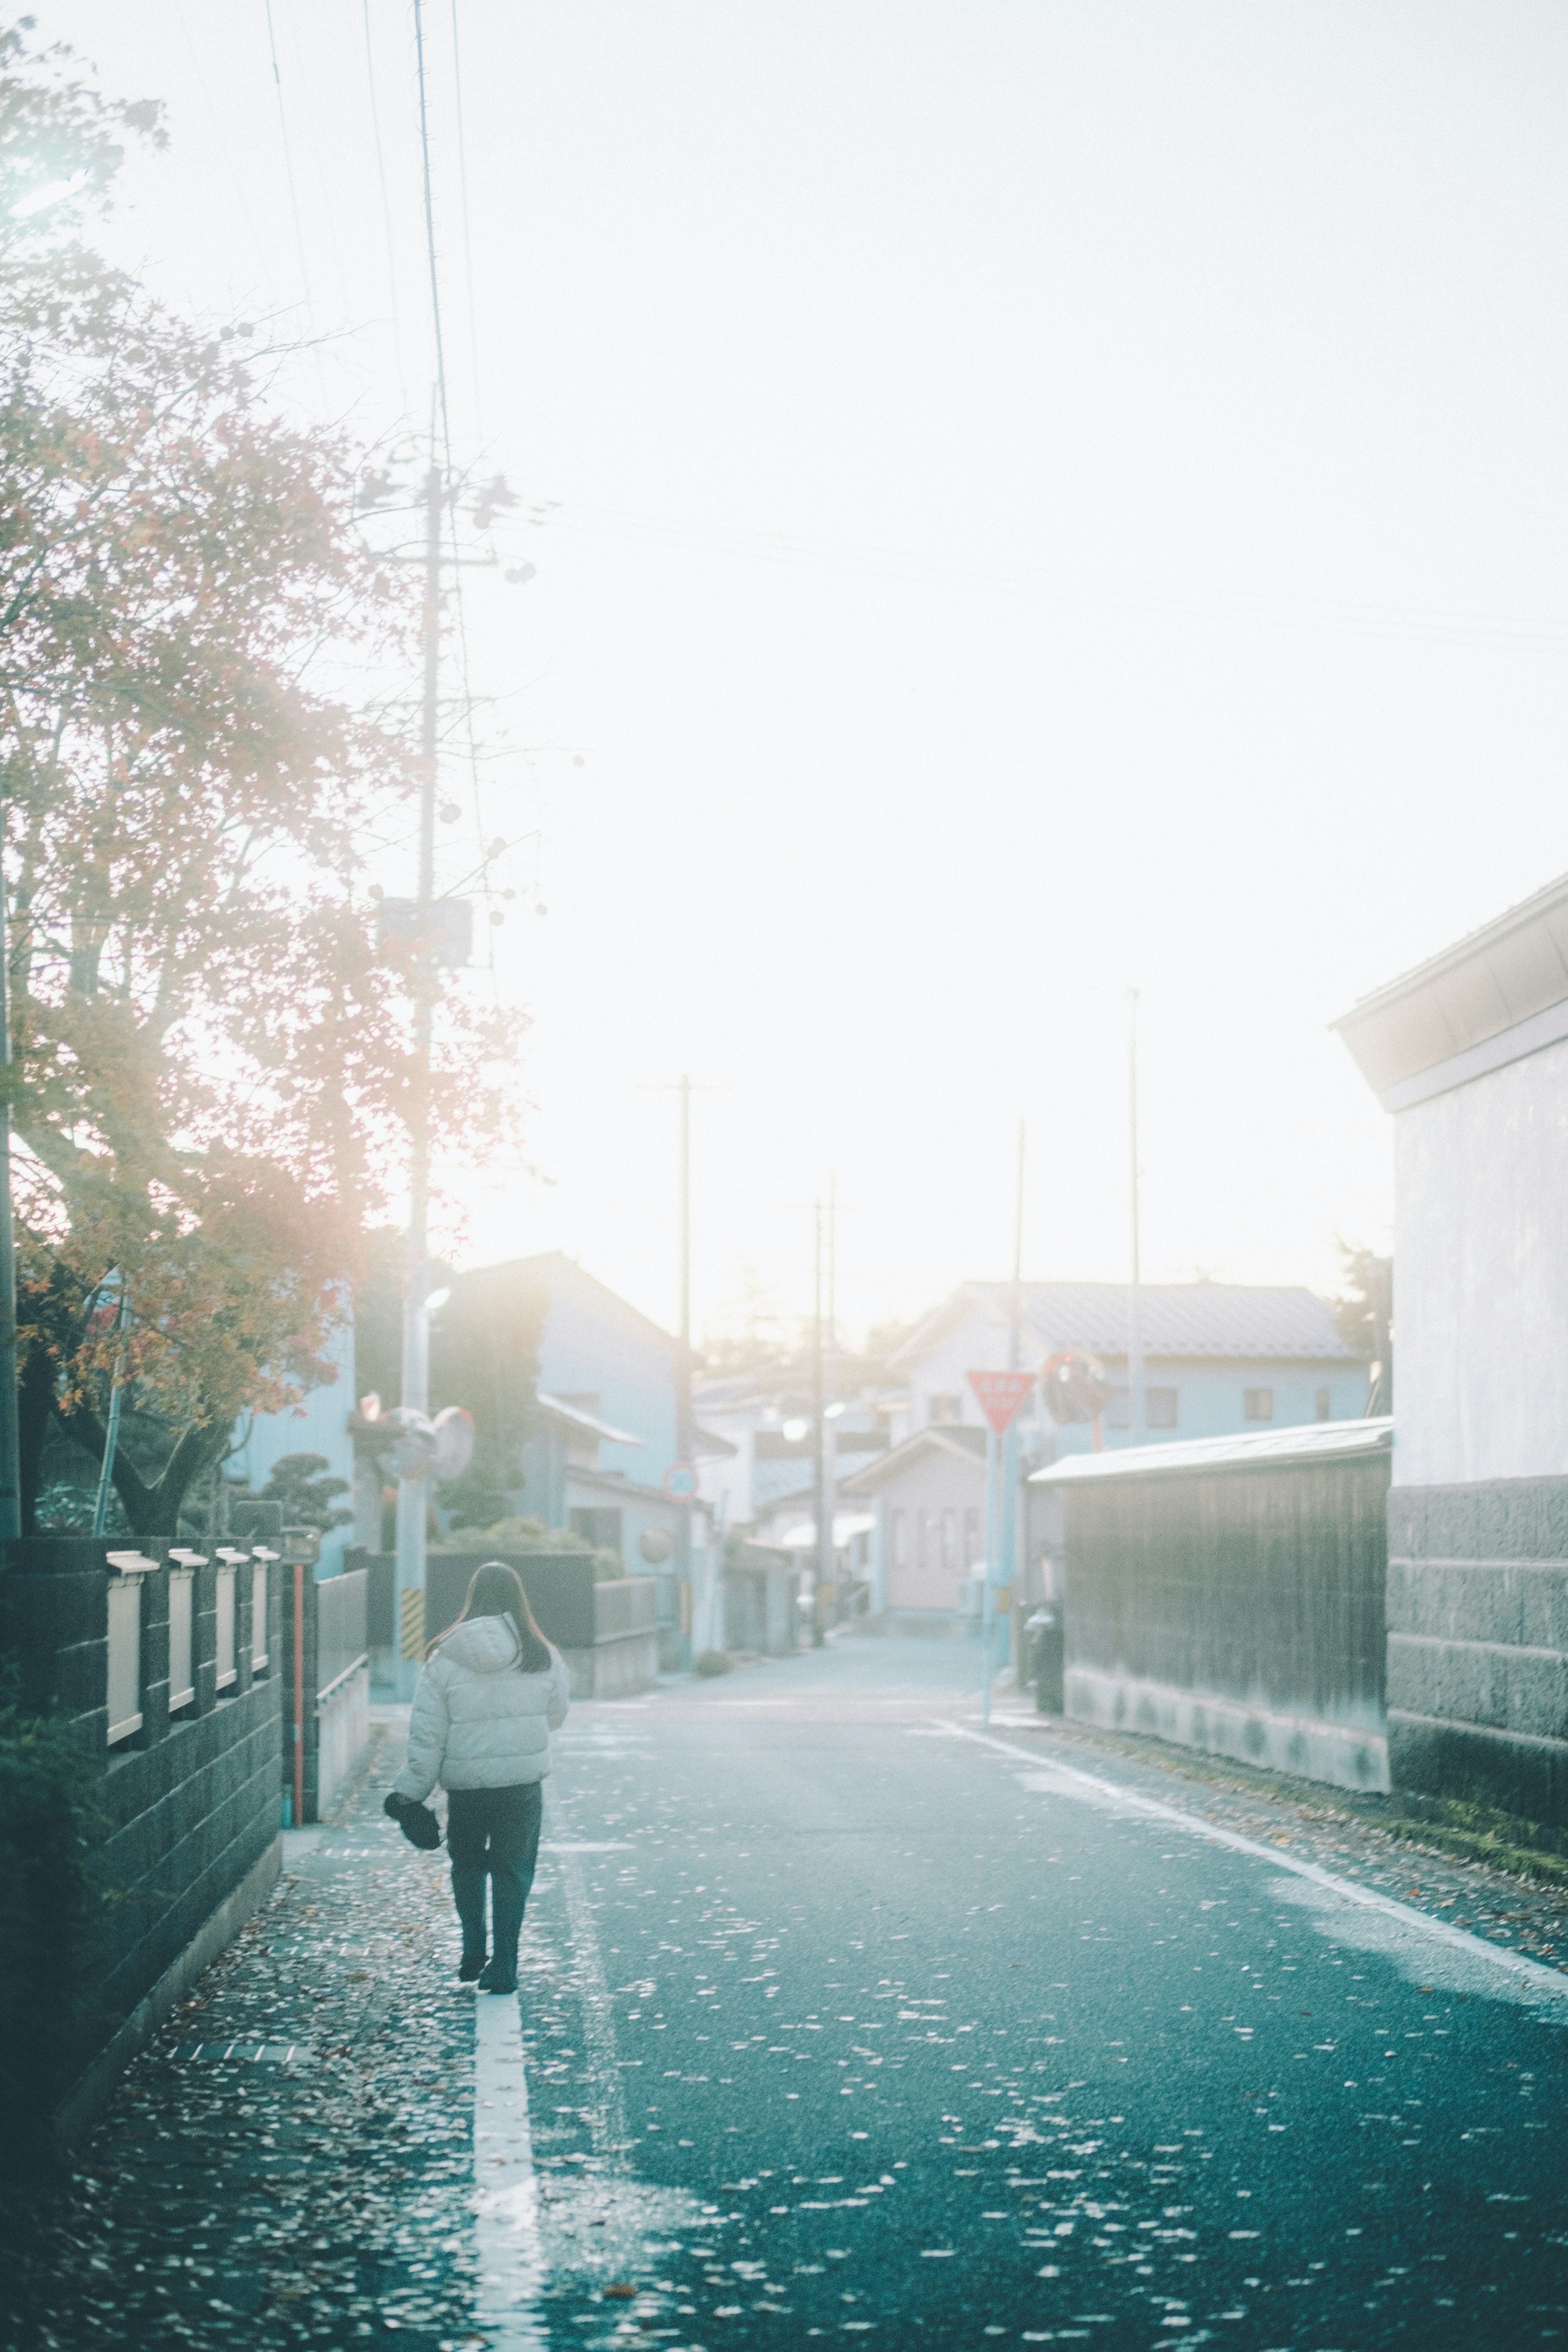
1477,1642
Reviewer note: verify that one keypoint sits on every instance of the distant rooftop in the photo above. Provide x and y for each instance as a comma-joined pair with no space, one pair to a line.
1223,1321
556,1408
1315,1441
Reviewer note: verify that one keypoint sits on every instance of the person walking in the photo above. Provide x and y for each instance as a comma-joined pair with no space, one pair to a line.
489,1695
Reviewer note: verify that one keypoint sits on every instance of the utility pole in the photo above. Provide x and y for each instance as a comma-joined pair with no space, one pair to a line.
819,1424
1134,1296
684,1435
830,1385
413,1494
10,1449
1002,1462
1016,1352
1008,1517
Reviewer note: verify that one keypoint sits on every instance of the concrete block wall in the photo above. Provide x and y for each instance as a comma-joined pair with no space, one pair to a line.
1477,1643
190,1802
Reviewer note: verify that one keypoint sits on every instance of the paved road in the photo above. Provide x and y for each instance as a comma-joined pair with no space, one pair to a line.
843,2020
839,2021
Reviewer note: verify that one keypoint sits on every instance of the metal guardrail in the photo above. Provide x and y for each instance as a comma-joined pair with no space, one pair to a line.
328,1646
342,1640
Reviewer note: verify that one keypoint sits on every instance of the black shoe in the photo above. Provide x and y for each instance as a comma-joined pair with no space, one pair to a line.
497,1978
470,1964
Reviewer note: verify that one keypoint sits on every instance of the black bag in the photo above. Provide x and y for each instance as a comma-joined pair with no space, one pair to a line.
417,1821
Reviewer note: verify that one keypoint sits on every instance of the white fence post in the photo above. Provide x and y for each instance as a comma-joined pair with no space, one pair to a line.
229,1560
182,1604
123,1679
259,1559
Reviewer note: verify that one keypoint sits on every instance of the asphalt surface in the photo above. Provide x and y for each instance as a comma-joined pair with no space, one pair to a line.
930,2040
842,2019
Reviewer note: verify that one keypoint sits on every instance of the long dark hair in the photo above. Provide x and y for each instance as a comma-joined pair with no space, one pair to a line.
496,1590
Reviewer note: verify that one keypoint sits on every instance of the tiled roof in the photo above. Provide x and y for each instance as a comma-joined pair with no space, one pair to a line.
1231,1321
780,1481
941,1437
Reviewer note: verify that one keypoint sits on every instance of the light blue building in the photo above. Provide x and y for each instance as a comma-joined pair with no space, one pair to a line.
604,1433
319,1424
1219,1358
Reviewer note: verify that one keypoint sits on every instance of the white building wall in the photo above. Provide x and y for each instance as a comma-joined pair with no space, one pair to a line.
977,1345
725,1479
1481,1278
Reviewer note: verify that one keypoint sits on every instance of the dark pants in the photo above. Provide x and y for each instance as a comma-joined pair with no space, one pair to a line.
494,1831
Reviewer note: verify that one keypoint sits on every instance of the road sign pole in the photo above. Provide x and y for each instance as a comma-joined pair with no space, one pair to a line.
998,1395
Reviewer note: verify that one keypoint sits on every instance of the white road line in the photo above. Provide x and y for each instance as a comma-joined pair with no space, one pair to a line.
505,2192
609,2123
1541,1979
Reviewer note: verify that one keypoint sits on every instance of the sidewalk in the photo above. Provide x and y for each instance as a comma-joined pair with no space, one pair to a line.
290,2161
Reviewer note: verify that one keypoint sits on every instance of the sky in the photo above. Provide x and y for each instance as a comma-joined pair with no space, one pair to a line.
1031,499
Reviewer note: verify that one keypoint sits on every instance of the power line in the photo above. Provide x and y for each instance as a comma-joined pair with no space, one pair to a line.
288,170
430,237
467,242
385,216
227,145
790,551
442,405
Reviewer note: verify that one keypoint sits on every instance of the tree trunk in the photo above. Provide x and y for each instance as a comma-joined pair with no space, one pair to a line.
153,1506
34,1405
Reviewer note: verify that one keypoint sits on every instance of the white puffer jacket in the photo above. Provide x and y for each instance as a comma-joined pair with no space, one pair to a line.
478,1723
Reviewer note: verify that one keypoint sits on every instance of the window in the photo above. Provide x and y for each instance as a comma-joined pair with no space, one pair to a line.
1116,1410
950,1541
1159,1407
941,1409
1258,1404
1325,1404
898,1537
972,1544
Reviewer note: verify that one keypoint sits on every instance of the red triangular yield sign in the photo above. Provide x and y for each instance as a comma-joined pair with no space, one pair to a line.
1000,1395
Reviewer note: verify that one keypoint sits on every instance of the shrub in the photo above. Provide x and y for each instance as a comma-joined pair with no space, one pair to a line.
713,1662
508,1538
52,1921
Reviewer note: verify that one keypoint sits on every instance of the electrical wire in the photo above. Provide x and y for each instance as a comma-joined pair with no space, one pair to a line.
444,414
1033,583
386,216
467,241
430,239
229,151
288,170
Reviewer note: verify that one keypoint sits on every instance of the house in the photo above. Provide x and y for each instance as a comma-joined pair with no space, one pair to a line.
757,1464
605,1430
1219,1358
1469,1055
927,1499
